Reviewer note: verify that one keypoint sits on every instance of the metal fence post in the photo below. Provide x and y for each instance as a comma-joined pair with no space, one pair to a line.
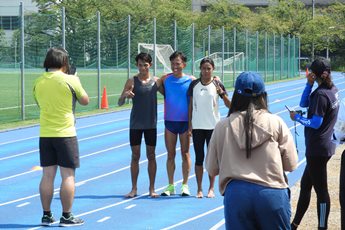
257,51
289,56
274,56
129,47
247,52
154,48
299,54
99,57
209,41
223,48
63,20
266,57
294,56
22,66
175,35
193,49
234,56
281,56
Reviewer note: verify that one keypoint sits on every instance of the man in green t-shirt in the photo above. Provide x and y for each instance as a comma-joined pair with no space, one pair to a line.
56,94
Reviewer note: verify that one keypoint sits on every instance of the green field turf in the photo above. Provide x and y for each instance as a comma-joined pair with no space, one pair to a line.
112,79
10,90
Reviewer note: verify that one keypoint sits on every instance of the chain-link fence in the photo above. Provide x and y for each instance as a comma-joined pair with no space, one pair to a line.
104,52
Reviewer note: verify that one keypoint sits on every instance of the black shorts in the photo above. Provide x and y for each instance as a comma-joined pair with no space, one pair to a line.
150,136
62,151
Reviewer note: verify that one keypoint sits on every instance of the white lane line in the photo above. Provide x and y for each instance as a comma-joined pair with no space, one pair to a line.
86,155
218,225
79,140
78,128
23,204
106,150
115,120
19,154
84,181
130,206
109,133
79,184
103,219
194,218
302,160
17,175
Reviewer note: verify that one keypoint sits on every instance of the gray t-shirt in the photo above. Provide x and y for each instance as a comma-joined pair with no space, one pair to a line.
144,110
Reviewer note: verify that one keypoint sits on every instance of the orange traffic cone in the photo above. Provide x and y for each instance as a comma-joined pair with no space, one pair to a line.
104,104
306,72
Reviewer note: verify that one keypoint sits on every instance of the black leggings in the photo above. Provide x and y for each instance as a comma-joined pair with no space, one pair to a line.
315,175
342,190
199,138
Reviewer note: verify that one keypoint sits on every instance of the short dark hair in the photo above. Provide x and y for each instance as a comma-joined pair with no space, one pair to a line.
146,57
178,54
207,60
56,58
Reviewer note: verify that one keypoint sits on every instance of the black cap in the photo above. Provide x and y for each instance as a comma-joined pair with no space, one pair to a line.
320,65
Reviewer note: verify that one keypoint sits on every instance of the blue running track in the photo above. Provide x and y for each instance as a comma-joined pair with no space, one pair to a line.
104,176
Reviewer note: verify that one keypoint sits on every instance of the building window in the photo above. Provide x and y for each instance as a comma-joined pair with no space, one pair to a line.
9,22
203,8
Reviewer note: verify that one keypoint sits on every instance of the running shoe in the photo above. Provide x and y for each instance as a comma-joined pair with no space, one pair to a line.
170,190
185,190
71,221
47,220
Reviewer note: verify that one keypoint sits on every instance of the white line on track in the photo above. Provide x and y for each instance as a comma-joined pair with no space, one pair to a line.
122,119
194,218
103,219
218,225
92,154
19,154
23,204
109,133
100,176
116,204
122,145
130,206
17,175
78,128
84,181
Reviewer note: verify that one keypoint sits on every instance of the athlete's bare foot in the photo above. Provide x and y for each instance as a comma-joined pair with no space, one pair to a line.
211,194
132,194
153,195
199,194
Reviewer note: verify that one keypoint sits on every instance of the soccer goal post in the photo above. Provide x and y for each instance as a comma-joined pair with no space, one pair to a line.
163,53
233,62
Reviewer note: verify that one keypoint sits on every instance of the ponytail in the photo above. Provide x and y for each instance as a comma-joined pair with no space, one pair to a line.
326,79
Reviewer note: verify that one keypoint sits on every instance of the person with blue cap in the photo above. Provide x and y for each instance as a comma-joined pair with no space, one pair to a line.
250,150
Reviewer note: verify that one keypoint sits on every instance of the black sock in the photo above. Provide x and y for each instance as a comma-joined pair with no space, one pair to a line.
47,213
66,214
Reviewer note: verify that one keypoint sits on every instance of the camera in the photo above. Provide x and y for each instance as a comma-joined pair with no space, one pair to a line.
300,112
71,70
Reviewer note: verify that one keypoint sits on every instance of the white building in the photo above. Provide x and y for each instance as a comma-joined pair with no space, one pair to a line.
9,14
201,5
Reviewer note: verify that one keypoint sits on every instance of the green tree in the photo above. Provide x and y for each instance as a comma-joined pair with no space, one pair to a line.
225,13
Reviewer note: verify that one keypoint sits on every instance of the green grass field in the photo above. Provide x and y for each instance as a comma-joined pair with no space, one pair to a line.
112,79
10,90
